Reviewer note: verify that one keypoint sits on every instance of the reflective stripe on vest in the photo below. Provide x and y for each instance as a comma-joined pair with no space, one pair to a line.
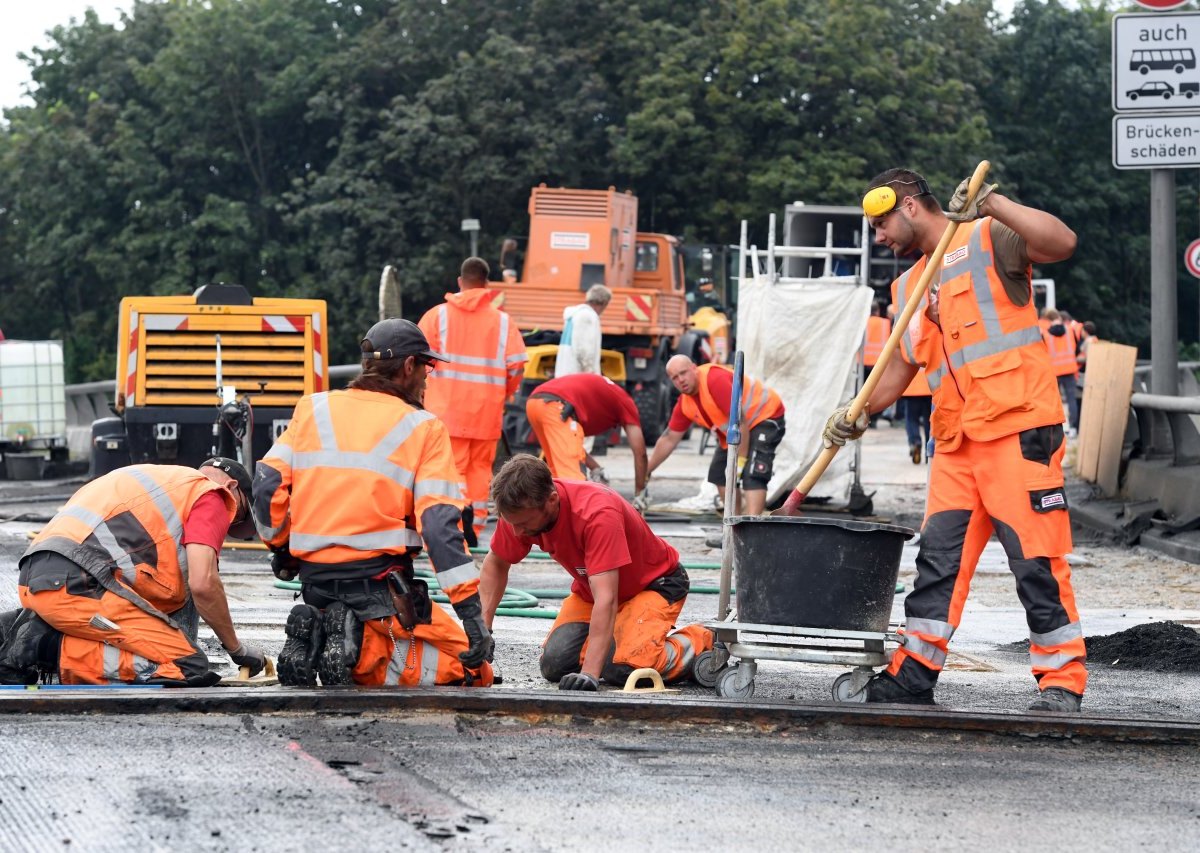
109,517
979,323
374,461
499,362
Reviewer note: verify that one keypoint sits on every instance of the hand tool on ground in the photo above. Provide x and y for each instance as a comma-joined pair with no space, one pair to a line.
655,678
791,506
266,678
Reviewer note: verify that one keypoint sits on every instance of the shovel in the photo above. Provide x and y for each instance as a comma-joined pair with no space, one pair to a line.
792,506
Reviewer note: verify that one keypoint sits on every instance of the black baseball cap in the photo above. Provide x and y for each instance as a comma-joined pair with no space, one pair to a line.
243,529
395,338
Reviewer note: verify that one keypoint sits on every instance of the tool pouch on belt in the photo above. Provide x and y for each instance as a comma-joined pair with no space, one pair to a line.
673,586
568,410
411,599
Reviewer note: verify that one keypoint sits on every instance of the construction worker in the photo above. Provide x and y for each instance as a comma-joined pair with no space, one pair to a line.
997,424
705,394
486,361
876,335
566,410
579,347
1061,344
344,499
628,588
113,586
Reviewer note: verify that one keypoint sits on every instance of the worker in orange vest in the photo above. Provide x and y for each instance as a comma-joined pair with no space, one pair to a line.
878,329
112,586
629,587
1060,342
705,399
486,362
997,423
359,481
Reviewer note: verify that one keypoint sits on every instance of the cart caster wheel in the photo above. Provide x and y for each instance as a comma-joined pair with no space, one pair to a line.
844,689
705,670
727,685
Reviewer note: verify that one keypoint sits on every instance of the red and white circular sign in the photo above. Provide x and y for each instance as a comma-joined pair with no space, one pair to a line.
1191,258
1160,5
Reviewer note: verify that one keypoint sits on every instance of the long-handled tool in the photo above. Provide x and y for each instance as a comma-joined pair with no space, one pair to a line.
733,438
792,505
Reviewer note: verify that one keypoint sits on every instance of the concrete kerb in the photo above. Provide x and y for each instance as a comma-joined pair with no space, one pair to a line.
599,708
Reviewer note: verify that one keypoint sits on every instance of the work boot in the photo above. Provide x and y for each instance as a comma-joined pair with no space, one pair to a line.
884,688
30,649
343,641
914,450
297,665
1057,699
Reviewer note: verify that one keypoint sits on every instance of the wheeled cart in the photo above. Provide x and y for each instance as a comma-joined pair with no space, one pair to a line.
866,651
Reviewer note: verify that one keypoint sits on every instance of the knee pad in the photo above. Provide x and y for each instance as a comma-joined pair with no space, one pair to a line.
560,654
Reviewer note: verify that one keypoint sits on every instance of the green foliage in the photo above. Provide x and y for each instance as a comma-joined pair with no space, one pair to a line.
298,146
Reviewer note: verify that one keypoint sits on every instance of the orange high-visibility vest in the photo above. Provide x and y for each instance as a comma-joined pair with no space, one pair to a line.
128,526
986,365
358,479
1062,353
758,403
878,329
487,358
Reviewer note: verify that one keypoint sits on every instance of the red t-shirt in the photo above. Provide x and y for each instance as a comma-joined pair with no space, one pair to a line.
600,404
720,386
597,531
207,523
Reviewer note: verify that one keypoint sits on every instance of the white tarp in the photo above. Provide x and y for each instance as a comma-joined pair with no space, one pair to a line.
802,338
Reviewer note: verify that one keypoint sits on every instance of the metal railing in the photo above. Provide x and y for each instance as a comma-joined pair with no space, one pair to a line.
1167,427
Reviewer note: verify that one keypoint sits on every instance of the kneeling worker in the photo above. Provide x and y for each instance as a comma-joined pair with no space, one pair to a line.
705,395
113,585
628,588
566,410
344,499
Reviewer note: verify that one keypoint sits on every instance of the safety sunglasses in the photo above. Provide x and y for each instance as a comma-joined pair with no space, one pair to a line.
881,201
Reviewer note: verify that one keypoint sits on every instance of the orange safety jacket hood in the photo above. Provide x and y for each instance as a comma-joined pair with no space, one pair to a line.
986,363
758,403
126,530
486,361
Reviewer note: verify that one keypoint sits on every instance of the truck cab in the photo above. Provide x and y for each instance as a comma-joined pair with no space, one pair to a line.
578,238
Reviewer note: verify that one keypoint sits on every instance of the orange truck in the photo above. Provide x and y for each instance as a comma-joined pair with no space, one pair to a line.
578,238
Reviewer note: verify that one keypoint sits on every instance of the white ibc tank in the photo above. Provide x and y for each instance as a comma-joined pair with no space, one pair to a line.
33,406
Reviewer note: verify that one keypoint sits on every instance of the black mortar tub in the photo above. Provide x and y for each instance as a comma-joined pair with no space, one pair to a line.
808,572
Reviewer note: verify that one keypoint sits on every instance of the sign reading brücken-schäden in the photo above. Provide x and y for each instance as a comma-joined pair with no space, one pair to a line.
1156,142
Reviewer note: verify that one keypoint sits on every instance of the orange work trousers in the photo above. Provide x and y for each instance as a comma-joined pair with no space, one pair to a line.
425,657
642,637
142,649
474,458
1014,487
561,441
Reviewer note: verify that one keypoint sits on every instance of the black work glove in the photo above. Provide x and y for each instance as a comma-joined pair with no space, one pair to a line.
481,647
284,566
578,681
248,656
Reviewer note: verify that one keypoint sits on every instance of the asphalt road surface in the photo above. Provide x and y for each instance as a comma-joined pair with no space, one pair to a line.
436,781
